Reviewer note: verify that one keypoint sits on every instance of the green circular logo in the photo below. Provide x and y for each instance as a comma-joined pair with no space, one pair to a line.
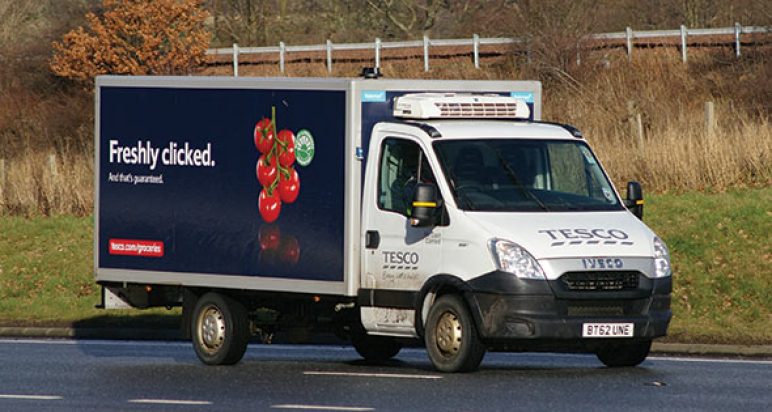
304,147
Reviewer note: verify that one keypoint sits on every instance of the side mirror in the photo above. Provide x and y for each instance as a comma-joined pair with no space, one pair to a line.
425,205
634,201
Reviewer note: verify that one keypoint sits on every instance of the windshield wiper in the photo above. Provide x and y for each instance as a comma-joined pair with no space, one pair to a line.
513,177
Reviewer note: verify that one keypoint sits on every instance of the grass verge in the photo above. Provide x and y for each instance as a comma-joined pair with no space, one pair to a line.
46,276
721,246
720,243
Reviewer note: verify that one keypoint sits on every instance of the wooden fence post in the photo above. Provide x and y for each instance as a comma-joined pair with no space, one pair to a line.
629,38
2,181
282,50
737,30
578,54
476,50
329,56
426,53
235,60
639,130
2,172
52,165
636,125
683,43
710,119
377,52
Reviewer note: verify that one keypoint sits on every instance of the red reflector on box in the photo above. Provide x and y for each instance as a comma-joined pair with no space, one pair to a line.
131,247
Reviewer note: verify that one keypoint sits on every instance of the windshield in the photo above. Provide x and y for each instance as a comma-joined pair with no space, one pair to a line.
525,175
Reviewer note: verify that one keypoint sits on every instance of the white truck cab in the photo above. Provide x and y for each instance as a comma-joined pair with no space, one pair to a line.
480,231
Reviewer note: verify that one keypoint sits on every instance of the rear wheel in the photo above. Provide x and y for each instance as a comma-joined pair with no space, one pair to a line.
375,348
220,329
451,336
622,354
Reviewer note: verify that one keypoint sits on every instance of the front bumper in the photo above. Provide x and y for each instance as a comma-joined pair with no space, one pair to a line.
509,310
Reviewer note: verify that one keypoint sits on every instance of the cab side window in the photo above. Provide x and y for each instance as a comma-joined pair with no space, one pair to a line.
398,174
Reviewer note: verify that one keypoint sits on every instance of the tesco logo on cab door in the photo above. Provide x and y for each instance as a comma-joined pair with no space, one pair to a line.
133,247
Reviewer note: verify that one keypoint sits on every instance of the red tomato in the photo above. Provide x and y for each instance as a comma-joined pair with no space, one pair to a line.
269,237
264,135
289,252
269,205
286,147
266,171
289,188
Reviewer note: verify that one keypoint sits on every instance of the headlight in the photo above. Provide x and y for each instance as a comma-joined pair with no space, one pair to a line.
511,257
661,259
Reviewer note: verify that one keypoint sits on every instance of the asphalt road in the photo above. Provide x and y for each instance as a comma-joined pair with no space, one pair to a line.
166,376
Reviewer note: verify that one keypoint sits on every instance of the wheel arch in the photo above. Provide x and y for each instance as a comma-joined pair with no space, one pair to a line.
436,286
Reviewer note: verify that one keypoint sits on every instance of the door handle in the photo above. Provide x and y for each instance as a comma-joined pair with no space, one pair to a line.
372,239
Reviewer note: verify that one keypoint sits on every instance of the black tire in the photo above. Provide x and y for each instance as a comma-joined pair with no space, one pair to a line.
624,354
220,329
375,348
451,336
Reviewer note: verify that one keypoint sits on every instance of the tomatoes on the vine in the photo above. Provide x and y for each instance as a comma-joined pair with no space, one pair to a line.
269,205
266,170
275,172
264,137
286,147
289,188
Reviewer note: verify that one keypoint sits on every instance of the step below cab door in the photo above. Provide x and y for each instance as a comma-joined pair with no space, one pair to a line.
398,257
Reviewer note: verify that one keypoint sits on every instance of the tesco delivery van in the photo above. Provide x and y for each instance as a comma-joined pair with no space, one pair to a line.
386,211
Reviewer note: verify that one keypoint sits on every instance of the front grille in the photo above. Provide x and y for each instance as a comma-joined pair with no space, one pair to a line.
600,281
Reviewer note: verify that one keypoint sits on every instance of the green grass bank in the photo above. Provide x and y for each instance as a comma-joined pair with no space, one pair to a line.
721,244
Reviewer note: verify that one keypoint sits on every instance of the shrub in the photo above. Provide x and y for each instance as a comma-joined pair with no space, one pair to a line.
139,37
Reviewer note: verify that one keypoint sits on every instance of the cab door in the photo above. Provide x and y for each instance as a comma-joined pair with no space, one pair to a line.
398,257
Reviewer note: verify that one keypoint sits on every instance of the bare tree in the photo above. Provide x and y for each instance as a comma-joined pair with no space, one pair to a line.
410,18
239,21
555,30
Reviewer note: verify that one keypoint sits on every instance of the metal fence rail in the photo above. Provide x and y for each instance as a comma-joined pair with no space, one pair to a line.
628,36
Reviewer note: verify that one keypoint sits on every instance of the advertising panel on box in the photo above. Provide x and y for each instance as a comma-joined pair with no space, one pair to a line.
245,182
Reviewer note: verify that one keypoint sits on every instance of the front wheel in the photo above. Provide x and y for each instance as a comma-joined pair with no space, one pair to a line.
220,329
451,336
623,354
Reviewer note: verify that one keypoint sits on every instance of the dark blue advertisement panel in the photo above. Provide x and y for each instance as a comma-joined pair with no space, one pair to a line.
222,181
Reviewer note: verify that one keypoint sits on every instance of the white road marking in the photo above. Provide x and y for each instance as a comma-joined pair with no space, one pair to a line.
708,360
170,402
94,342
32,397
373,375
181,344
323,408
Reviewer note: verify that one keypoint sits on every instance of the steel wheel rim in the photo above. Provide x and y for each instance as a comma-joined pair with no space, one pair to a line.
211,327
448,334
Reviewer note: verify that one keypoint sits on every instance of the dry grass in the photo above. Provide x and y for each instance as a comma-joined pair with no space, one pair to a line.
48,184
685,158
604,97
